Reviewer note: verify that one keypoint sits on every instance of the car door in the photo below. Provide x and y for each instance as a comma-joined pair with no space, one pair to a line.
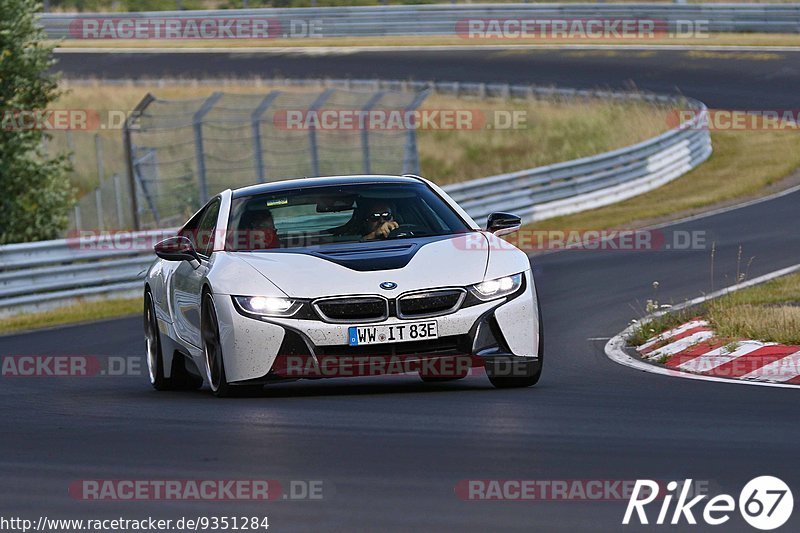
187,280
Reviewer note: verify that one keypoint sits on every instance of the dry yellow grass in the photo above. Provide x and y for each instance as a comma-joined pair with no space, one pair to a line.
83,312
769,324
768,312
742,165
552,132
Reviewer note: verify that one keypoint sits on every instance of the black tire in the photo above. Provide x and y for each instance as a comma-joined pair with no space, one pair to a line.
180,378
511,373
152,340
215,362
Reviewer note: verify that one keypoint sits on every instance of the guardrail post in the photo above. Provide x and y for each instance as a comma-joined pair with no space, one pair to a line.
197,122
312,131
255,120
410,156
371,103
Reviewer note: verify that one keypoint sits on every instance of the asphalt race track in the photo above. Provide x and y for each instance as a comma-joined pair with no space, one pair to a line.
391,450
741,80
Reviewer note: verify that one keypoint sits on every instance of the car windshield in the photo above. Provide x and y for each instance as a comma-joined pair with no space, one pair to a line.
315,216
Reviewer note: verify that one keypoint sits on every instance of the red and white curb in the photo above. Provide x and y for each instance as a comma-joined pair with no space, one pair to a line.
697,357
693,347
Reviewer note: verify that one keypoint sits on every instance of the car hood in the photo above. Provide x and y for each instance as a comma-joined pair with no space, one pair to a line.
361,268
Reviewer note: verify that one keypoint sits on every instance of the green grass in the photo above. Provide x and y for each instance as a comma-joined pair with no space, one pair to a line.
646,330
769,312
743,164
87,311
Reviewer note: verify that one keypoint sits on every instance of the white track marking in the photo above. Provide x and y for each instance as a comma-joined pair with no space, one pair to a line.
720,356
781,370
680,345
673,332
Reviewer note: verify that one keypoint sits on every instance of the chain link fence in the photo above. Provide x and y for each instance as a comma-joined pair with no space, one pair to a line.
185,151
181,152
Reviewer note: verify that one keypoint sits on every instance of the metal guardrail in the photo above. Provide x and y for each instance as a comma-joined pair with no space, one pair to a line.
46,274
42,275
439,19
589,182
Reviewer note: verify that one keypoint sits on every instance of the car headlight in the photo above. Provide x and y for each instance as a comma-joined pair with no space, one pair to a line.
268,305
497,288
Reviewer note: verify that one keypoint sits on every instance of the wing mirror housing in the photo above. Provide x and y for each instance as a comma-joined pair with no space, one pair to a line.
503,223
177,248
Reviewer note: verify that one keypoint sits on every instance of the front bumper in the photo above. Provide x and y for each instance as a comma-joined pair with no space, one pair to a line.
269,349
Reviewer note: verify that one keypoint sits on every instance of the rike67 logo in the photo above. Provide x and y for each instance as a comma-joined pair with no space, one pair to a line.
765,503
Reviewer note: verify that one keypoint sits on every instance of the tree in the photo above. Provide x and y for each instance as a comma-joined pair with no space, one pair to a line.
35,194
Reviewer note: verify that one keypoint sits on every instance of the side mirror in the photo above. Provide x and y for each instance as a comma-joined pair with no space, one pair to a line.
177,249
503,223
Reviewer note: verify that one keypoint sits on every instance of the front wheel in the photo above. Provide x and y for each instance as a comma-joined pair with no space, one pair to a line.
212,349
179,378
520,372
152,341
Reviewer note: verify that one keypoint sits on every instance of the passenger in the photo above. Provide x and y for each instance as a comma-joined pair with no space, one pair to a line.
259,230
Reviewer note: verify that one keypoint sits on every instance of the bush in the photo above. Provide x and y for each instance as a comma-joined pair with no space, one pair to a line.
36,194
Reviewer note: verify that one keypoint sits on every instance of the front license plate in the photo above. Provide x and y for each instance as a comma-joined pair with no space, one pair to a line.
418,331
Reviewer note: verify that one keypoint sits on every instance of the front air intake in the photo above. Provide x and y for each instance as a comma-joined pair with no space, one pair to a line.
352,309
430,303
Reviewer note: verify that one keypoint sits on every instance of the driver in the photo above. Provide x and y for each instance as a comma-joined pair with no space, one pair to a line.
378,221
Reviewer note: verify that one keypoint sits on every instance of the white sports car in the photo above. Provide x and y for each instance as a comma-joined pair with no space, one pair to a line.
339,276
